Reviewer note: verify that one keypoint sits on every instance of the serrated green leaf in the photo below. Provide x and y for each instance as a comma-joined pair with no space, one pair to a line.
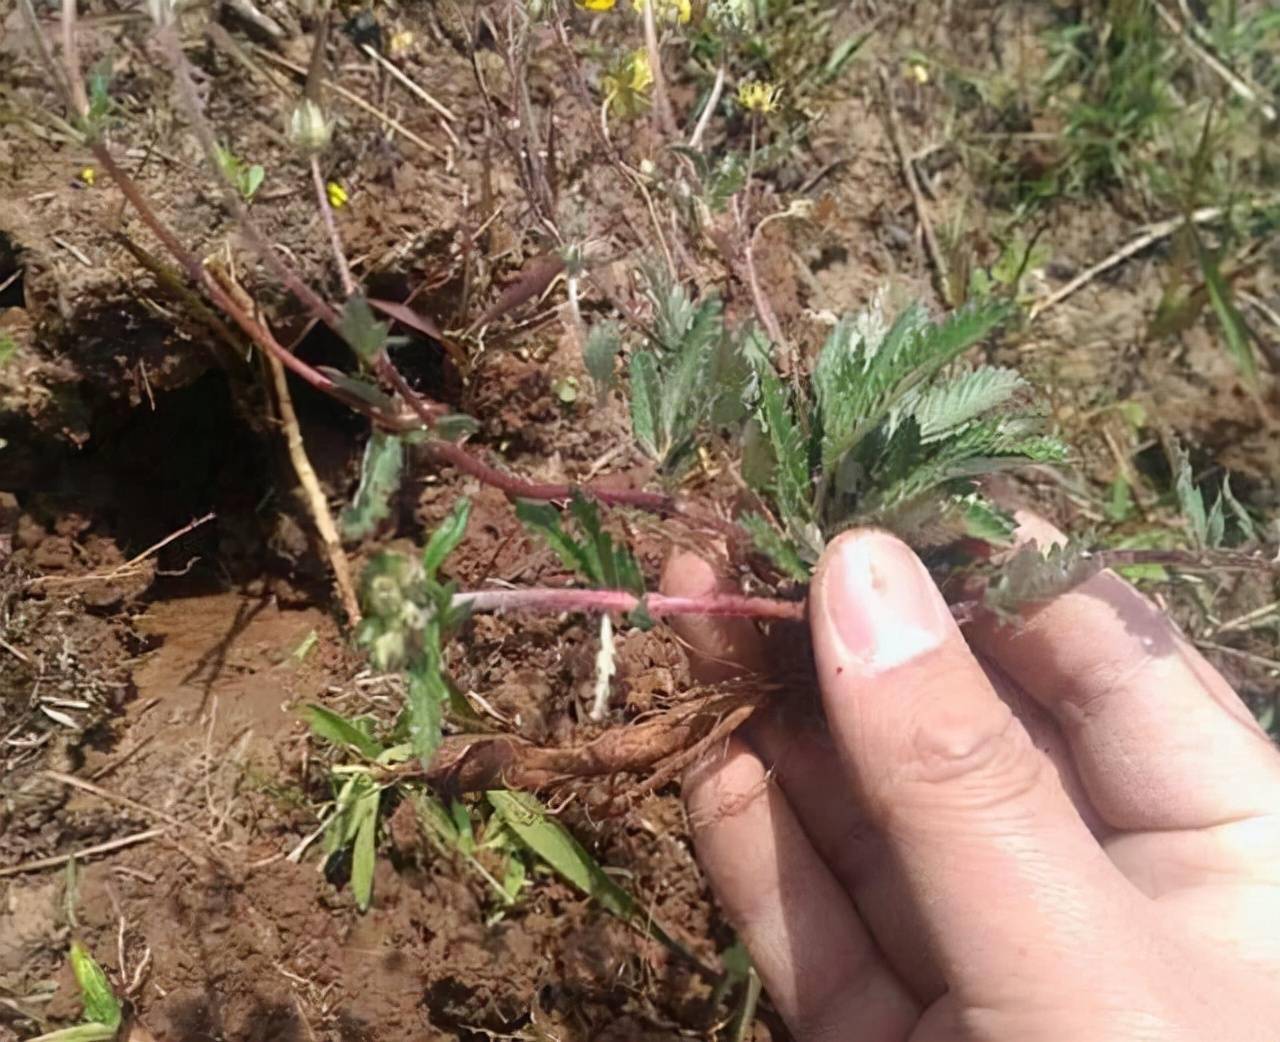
986,521
333,727
859,381
775,547
1031,576
599,354
595,555
673,311
954,401
361,330
445,539
426,695
608,564
380,472
646,404
364,850
100,1003
791,483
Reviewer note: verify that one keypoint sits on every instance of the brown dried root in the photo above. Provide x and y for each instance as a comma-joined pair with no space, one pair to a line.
473,763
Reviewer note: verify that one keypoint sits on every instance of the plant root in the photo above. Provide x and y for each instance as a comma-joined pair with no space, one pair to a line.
473,763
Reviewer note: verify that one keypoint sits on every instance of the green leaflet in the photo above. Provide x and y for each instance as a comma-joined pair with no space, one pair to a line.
445,539
595,555
380,472
1204,526
1031,576
361,330
426,695
599,353
775,547
646,403
858,382
946,407
542,834
551,841
791,482
364,849
100,1003
675,388
1234,328
333,727
892,432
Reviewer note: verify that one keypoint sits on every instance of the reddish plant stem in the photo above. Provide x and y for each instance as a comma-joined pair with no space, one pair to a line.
552,599
190,98
518,488
201,277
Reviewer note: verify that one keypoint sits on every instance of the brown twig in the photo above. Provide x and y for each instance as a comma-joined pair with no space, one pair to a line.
55,860
1146,236
314,495
128,566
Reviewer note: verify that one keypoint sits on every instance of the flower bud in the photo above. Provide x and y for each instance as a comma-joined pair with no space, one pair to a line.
309,131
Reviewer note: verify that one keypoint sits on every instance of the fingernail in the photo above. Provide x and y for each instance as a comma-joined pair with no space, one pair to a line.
880,602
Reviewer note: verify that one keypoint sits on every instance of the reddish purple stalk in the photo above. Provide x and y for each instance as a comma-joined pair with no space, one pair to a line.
658,605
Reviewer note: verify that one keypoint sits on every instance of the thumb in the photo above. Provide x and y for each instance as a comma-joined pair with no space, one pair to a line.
973,813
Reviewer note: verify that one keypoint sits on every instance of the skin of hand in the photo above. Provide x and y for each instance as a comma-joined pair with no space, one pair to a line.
1064,828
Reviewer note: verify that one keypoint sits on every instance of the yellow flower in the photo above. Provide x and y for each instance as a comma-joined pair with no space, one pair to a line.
673,10
400,43
626,84
597,5
756,96
88,175
917,71
337,194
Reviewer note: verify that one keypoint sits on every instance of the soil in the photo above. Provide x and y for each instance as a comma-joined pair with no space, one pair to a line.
151,688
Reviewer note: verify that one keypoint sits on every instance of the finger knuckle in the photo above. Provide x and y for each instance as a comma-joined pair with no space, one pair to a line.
976,754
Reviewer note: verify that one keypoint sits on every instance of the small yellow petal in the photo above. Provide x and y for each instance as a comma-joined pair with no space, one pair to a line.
597,5
918,72
400,42
88,175
755,96
337,194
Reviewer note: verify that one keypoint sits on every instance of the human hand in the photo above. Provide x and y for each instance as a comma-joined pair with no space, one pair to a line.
1064,829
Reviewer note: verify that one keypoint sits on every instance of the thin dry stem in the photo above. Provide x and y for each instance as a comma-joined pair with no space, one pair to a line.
661,101
331,226
708,110
313,494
